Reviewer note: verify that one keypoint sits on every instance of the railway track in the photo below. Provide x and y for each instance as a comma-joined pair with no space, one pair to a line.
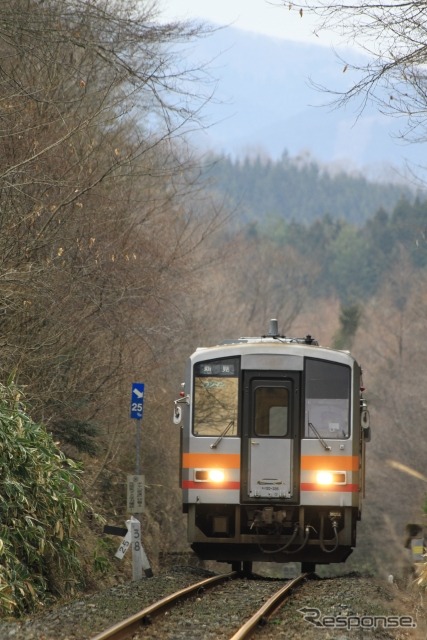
268,608
128,628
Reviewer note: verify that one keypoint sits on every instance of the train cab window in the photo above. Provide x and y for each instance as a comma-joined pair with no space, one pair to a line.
327,399
216,385
271,411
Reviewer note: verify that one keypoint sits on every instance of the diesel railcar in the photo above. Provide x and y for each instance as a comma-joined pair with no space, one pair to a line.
273,433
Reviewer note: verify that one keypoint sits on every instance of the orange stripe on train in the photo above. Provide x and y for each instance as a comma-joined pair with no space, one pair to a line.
342,488
211,460
329,463
218,486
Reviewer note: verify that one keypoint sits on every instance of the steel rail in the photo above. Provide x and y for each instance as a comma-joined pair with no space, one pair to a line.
127,627
268,608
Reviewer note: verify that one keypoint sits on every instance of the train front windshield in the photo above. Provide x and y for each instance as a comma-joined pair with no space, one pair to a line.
327,404
216,396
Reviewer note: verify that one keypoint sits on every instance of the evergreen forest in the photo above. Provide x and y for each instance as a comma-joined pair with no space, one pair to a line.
350,229
299,189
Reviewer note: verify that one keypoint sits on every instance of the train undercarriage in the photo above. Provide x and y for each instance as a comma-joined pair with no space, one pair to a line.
266,533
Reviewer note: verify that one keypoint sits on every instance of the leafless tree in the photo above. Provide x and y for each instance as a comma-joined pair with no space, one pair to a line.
393,35
95,233
390,347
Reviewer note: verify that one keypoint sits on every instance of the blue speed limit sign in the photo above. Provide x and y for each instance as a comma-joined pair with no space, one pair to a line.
137,401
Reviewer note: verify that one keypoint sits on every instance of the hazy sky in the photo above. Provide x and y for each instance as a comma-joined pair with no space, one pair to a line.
262,16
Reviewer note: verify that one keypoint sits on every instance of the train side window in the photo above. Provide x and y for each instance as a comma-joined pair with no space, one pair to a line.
271,411
216,386
327,399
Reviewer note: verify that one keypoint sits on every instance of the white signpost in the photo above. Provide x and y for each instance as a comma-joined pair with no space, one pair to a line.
139,557
136,494
124,545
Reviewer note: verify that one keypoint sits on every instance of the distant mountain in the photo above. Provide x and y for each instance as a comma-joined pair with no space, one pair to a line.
265,102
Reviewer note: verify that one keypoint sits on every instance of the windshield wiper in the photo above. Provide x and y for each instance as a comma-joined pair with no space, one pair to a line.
319,437
224,433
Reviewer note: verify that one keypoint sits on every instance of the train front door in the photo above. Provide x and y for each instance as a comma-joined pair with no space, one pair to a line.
270,412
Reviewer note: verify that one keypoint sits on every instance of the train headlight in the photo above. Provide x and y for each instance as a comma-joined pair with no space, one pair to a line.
324,477
328,478
209,475
216,475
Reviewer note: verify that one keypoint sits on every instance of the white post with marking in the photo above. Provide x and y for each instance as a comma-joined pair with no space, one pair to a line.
140,560
135,528
124,545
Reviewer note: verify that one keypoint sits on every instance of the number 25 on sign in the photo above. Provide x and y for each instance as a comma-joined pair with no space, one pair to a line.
137,401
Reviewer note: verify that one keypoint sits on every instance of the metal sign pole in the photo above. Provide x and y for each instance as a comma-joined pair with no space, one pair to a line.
135,489
138,428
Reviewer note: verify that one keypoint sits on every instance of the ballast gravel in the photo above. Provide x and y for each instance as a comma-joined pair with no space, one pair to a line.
349,607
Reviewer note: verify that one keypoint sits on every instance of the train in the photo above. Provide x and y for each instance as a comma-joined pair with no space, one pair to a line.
273,435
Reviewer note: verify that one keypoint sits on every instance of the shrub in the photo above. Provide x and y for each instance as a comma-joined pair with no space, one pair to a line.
39,509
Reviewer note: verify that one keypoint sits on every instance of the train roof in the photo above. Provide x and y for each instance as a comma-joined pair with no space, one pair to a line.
260,346
271,343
